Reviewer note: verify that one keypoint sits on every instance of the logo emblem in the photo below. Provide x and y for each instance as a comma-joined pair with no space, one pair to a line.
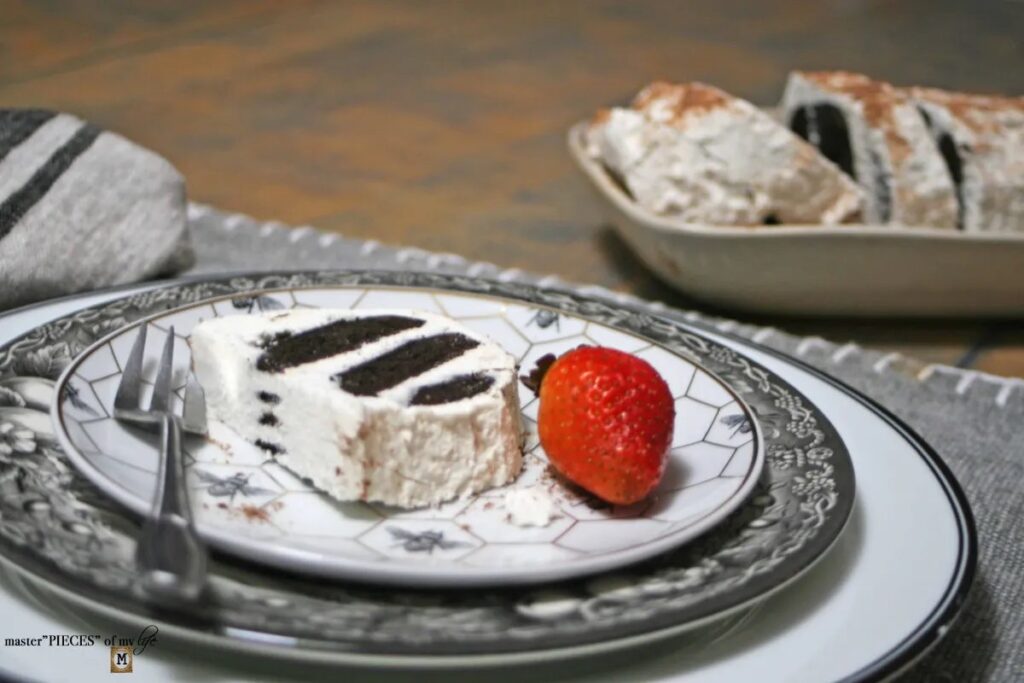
120,659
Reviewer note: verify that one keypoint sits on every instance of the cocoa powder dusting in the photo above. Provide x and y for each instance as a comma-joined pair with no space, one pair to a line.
685,98
877,100
253,513
977,112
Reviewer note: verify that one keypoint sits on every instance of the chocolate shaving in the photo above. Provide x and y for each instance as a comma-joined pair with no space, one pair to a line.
272,448
532,381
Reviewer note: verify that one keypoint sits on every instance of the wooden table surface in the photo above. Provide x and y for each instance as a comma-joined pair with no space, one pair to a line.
441,124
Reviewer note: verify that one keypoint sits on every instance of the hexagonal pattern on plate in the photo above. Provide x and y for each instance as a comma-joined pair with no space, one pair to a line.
223,445
676,371
106,389
519,555
316,514
692,422
740,462
78,436
99,364
606,336
542,324
329,546
155,336
421,540
183,321
531,437
596,509
132,478
134,448
268,302
241,519
265,302
232,483
697,500
446,510
499,331
288,480
529,361
415,301
82,401
488,519
328,298
608,536
693,464
709,390
535,470
529,405
459,307
731,427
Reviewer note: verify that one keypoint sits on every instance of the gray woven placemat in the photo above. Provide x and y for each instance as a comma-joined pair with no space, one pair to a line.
974,420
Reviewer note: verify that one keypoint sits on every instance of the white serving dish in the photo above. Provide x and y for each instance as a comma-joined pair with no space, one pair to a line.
819,270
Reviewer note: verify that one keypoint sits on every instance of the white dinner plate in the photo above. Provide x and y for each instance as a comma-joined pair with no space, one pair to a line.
886,593
816,269
248,504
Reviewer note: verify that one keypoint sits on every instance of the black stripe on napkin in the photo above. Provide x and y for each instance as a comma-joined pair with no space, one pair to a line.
407,361
19,202
16,125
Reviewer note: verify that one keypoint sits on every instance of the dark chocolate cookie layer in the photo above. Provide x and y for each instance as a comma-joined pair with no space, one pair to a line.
288,350
824,126
407,361
950,152
455,389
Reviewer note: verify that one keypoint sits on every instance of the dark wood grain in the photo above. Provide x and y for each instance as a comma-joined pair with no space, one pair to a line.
442,124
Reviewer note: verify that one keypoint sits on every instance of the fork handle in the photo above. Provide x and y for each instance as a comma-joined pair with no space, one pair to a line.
170,555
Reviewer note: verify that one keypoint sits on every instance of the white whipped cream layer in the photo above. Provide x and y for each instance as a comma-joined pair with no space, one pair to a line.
890,143
988,133
373,448
698,154
530,506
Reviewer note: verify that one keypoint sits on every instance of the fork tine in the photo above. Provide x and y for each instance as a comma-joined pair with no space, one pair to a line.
127,397
194,412
161,401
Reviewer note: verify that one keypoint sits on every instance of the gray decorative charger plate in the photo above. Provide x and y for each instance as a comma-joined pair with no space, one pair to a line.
250,505
55,526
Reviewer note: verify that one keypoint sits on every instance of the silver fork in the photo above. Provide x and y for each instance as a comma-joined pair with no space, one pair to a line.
169,553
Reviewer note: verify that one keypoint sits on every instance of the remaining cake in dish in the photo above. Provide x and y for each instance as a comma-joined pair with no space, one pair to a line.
981,140
400,407
875,133
696,153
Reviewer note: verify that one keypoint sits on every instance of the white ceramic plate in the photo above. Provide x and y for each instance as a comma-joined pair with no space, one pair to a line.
800,506
888,591
249,505
837,270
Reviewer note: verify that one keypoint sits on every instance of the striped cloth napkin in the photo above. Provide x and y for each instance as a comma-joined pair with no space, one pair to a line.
82,208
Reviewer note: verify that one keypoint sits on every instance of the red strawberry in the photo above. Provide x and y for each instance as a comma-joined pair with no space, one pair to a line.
605,421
